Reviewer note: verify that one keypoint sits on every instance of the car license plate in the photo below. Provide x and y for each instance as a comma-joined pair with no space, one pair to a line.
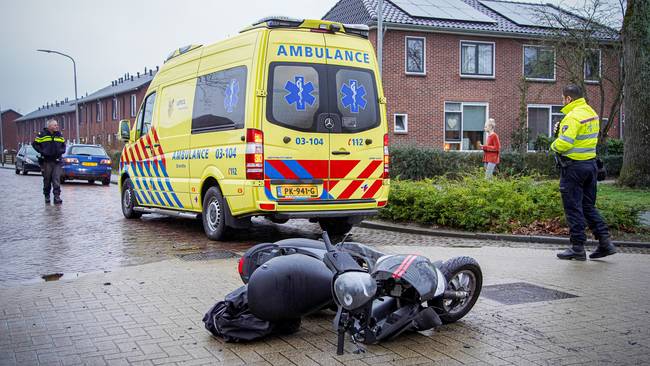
89,164
298,191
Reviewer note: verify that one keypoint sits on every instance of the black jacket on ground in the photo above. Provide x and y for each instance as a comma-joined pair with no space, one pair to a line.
50,145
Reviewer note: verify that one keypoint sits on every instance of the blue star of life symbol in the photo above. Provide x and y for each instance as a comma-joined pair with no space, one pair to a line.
353,96
230,99
364,187
299,93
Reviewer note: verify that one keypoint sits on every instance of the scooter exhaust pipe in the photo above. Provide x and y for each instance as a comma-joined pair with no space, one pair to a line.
455,295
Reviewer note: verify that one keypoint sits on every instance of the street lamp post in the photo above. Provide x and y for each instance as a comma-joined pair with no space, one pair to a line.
76,100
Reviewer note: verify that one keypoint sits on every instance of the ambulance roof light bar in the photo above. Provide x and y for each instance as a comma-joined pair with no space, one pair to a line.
357,29
280,22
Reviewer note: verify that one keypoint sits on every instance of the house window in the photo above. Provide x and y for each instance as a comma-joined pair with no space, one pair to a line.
539,63
115,106
62,122
98,112
592,66
464,124
541,120
401,123
134,106
415,55
477,59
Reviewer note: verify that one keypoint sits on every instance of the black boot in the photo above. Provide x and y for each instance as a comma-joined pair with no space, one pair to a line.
58,200
576,252
47,200
605,248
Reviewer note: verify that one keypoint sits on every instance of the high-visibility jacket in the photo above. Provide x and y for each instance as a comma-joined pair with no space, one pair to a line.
50,145
578,131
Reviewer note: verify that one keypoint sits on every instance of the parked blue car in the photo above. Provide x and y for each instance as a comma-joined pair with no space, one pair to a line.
86,162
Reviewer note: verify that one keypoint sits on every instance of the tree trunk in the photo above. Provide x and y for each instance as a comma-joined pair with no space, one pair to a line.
636,47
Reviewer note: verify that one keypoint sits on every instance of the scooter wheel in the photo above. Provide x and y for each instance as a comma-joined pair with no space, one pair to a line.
462,274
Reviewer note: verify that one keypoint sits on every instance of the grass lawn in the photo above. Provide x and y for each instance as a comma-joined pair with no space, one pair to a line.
629,197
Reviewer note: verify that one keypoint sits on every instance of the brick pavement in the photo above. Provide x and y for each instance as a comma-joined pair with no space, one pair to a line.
151,315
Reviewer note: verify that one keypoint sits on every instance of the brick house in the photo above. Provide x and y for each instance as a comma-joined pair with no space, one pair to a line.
446,71
29,125
99,112
9,133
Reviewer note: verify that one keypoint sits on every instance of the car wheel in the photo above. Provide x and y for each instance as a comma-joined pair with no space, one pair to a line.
128,200
106,182
17,171
213,215
91,181
62,180
335,226
24,170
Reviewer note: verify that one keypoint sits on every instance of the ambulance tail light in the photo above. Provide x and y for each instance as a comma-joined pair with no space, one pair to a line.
386,158
254,154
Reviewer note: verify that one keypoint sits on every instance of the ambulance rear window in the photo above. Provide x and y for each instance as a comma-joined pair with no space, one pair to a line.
356,99
295,97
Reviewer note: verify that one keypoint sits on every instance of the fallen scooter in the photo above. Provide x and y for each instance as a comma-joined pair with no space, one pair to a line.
377,296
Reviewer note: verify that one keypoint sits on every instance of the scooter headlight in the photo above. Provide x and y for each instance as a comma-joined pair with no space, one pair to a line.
354,289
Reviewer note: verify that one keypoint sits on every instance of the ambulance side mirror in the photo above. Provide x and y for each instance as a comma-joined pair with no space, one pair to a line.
125,130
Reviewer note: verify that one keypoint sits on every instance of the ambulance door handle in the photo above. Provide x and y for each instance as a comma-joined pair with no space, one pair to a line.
156,145
339,152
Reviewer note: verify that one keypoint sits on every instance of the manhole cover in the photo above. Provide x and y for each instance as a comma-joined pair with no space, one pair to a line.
206,256
521,293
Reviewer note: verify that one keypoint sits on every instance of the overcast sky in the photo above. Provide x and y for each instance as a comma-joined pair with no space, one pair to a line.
110,38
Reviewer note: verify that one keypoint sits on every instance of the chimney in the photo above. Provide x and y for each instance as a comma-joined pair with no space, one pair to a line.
121,80
156,68
145,69
138,74
150,72
131,77
66,99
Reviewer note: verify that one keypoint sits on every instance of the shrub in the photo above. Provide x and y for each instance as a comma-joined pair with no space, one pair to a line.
416,163
614,147
115,155
500,205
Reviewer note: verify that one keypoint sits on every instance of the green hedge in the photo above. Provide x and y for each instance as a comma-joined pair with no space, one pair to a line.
417,163
498,205
115,155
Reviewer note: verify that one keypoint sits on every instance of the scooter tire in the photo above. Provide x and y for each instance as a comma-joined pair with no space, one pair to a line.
450,269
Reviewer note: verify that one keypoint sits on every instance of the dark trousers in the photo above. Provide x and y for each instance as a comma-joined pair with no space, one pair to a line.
51,178
578,189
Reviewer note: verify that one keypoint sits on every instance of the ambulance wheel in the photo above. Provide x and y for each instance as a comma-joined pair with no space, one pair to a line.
128,200
106,181
335,226
213,215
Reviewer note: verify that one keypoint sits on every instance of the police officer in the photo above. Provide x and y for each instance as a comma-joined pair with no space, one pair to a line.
51,145
575,147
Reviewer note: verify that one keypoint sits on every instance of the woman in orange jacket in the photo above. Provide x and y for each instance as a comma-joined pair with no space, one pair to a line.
491,149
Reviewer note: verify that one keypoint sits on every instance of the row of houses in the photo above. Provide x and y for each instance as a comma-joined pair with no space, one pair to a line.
448,66
99,112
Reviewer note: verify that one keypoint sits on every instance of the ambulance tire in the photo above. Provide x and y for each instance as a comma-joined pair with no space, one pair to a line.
128,202
214,215
335,226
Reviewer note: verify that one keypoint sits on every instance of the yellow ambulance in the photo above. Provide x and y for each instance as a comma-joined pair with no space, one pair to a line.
285,120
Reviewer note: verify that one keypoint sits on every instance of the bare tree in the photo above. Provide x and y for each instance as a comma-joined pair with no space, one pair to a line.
589,50
636,40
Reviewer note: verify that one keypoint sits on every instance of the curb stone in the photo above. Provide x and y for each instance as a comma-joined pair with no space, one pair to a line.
379,225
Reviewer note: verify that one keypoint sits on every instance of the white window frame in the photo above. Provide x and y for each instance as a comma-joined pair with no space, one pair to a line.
406,123
550,118
460,60
424,56
134,105
115,106
600,68
462,121
98,112
523,63
93,139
